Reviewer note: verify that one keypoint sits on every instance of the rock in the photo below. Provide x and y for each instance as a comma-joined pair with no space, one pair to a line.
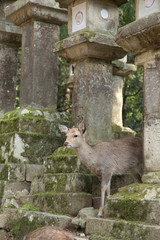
48,233
80,220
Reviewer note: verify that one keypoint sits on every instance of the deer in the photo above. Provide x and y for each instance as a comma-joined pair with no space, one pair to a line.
105,159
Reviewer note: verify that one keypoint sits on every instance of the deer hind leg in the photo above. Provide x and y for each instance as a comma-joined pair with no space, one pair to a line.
105,187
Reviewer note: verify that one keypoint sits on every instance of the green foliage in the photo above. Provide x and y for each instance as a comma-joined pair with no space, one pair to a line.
127,13
133,100
64,95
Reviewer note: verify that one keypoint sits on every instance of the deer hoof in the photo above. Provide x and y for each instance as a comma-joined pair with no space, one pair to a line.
99,216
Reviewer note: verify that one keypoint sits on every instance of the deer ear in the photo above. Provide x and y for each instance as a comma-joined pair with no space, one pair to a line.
63,129
82,128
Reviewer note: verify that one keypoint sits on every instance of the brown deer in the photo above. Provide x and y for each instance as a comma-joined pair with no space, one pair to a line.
106,159
48,233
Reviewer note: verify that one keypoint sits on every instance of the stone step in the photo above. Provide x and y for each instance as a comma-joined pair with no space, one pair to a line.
136,202
62,203
21,222
20,172
64,160
117,229
62,182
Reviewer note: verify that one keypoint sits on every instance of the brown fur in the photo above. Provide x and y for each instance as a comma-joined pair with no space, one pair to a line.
106,159
47,233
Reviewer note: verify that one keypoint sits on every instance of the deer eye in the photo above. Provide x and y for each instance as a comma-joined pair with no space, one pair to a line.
75,136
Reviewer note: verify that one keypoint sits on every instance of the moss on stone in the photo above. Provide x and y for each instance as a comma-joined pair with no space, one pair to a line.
4,172
29,207
2,185
20,227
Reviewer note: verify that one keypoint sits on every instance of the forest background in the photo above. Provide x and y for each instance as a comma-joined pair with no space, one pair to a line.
132,84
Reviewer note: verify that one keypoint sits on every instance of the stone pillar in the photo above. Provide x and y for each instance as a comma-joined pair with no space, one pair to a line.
90,49
40,22
151,62
142,39
121,70
10,40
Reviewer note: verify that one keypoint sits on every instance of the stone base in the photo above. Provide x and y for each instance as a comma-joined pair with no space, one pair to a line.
19,172
62,182
21,222
63,203
64,160
111,229
151,177
121,132
136,202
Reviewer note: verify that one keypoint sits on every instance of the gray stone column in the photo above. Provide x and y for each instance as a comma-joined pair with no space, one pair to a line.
92,94
40,22
10,40
142,39
120,71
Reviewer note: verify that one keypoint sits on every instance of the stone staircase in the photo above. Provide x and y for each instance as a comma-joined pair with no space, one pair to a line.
132,213
39,190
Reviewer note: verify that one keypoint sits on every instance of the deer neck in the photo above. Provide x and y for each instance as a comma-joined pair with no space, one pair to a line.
86,155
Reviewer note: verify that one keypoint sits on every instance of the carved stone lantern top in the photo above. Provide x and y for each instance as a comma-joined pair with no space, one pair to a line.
146,7
39,10
66,3
91,15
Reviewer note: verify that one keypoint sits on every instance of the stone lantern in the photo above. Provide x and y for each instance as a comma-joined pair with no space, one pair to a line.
141,38
10,41
40,21
90,49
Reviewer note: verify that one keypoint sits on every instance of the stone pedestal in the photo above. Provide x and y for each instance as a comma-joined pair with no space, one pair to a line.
141,38
91,55
40,30
10,40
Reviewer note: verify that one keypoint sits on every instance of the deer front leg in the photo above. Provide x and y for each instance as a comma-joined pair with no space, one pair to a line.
105,187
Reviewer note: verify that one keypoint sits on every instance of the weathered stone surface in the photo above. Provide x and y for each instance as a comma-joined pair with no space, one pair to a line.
39,70
135,203
65,3
119,229
22,222
64,160
33,170
150,61
39,65
48,11
3,220
12,192
120,70
80,220
121,132
89,44
64,203
123,69
62,182
92,94
28,135
8,73
141,35
12,172
10,34
3,235
92,18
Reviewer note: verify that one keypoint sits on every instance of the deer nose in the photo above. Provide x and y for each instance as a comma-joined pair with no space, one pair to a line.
66,144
